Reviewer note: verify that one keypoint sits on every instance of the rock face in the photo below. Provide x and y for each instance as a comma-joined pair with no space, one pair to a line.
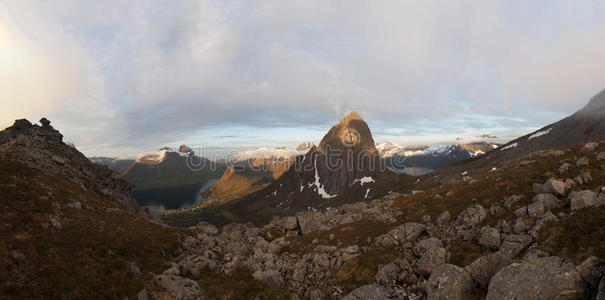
484,268
449,282
345,154
178,287
542,278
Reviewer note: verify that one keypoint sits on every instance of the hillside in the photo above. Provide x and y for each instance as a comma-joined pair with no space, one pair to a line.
69,227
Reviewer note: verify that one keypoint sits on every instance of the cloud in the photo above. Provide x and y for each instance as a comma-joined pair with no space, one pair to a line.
129,76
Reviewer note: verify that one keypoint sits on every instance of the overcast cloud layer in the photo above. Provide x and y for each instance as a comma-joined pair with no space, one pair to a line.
120,77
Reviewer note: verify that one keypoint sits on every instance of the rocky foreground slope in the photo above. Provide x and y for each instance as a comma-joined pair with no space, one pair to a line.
531,230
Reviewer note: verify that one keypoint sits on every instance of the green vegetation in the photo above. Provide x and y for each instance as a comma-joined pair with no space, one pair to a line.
361,270
90,257
239,284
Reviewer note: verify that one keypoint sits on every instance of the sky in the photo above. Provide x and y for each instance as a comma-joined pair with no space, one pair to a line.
123,77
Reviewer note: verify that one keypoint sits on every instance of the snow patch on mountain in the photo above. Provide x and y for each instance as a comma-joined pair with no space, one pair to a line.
513,145
268,153
154,158
539,134
320,187
364,180
389,149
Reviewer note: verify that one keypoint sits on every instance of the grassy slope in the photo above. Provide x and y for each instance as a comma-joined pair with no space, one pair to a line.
37,261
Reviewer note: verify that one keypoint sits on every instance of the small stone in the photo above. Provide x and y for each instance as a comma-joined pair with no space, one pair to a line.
601,156
496,211
134,269
564,168
583,161
590,147
58,159
426,219
519,226
536,209
443,218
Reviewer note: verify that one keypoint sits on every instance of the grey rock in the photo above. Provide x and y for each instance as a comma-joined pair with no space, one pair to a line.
178,287
207,228
407,233
472,216
584,199
542,278
143,295
370,291
194,266
536,209
550,201
134,269
554,186
269,277
172,271
547,217
55,223
316,294
601,156
564,168
290,223
504,227
496,211
511,200
601,290
519,226
583,161
590,147
58,159
583,178
426,219
533,253
310,221
387,274
449,282
443,218
521,212
427,244
430,260
484,268
592,270
513,244
490,238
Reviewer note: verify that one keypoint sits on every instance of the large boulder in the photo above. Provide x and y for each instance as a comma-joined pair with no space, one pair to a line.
472,216
427,244
490,238
449,282
583,199
387,274
206,228
513,244
554,186
485,267
430,260
542,278
592,270
310,221
178,287
549,201
370,291
406,233
194,266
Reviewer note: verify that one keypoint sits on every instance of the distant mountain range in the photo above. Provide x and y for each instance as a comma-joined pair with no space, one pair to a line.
418,160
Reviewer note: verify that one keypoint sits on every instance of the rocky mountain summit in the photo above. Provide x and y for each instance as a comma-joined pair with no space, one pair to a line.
42,147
